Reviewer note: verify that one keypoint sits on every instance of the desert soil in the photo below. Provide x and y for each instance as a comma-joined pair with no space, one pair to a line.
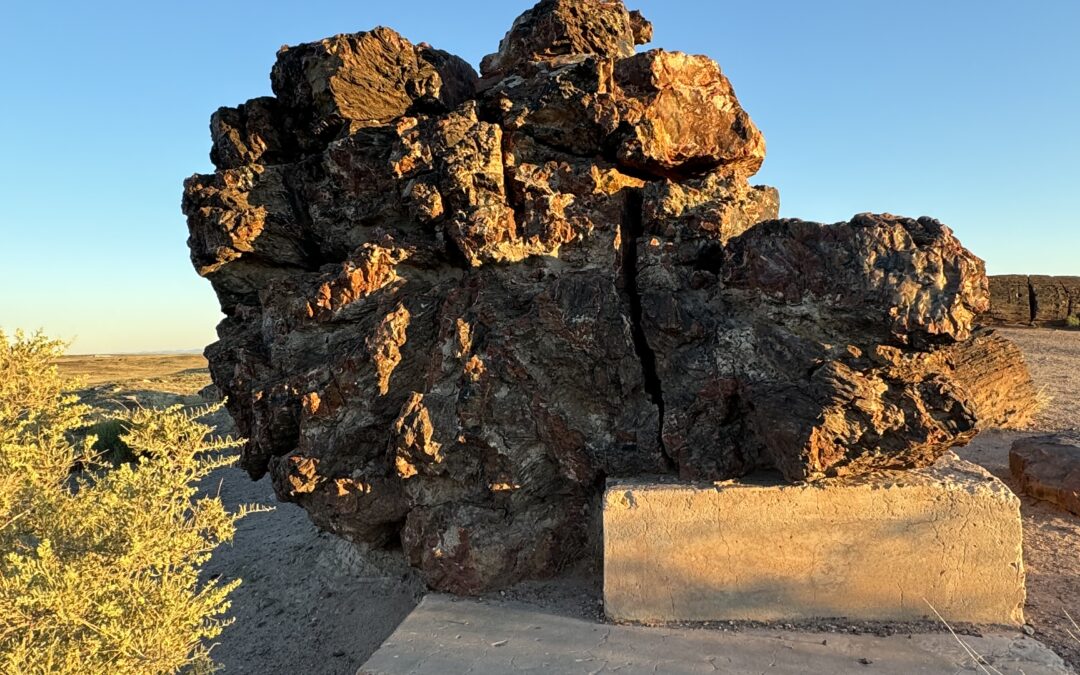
1051,534
311,603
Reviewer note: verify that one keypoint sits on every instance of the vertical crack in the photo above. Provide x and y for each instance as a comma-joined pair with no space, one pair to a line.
1033,303
631,229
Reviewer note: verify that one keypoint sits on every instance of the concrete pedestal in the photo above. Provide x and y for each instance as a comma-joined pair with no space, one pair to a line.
872,548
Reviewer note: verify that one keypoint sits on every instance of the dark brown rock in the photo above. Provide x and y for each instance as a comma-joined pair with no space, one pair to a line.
809,346
452,312
1048,468
658,113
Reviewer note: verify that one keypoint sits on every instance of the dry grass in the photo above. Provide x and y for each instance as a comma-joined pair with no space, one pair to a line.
984,665
1075,632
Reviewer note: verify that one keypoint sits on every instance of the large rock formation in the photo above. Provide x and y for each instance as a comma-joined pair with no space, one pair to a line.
455,304
1037,300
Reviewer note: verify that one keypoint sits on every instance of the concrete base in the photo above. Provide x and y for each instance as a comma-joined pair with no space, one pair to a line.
875,548
445,635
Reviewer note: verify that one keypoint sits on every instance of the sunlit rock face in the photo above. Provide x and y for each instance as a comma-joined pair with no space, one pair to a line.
455,304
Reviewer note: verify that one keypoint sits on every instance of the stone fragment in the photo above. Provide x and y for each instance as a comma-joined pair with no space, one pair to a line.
1048,468
681,117
561,28
357,80
991,371
252,132
948,535
666,114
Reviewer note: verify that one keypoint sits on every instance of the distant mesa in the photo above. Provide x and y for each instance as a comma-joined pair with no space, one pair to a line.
457,302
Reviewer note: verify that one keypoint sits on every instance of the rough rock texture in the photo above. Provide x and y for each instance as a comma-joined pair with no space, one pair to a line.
1033,300
455,305
1048,468
991,370
948,534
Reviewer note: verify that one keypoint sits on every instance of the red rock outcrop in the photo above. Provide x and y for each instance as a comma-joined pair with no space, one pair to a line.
454,305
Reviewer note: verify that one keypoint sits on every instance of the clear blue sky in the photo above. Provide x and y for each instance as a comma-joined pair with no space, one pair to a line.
967,110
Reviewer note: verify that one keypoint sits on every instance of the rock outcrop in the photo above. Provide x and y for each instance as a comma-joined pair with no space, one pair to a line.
456,303
1048,468
1035,300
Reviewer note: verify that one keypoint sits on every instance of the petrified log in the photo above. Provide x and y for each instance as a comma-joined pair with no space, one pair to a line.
1010,300
1054,299
455,305
1033,300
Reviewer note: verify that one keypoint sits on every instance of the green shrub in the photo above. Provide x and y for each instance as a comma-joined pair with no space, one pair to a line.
109,443
1072,321
100,569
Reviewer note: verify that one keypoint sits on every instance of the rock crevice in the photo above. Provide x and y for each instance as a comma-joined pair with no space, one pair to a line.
456,302
631,230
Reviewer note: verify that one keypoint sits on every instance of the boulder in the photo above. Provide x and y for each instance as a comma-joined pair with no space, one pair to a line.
1048,468
556,29
811,347
453,307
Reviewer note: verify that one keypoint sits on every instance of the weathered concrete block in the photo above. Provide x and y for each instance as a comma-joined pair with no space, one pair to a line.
871,548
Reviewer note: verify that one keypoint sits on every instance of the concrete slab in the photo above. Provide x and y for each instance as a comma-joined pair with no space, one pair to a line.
873,548
445,636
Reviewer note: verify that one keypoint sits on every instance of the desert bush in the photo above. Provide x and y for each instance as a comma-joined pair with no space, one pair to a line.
1072,321
100,568
109,442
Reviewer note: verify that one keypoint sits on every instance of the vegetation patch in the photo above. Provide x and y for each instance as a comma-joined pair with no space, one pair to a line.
100,568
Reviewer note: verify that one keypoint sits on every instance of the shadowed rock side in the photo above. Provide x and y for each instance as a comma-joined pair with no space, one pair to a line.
455,305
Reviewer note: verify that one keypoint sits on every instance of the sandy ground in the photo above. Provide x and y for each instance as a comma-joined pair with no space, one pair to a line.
1051,535
311,603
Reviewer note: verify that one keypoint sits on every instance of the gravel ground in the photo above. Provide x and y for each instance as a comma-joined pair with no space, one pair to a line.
1051,534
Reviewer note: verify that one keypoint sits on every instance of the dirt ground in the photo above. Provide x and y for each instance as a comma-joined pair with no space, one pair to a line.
1051,534
311,603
